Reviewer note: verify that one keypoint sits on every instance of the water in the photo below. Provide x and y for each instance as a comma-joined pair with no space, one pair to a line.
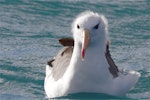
29,30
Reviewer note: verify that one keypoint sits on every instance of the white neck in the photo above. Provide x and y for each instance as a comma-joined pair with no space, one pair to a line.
94,60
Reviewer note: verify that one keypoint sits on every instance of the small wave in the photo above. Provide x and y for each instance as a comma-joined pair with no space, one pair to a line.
14,97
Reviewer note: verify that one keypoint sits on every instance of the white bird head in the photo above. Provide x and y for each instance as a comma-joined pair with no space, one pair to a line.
89,29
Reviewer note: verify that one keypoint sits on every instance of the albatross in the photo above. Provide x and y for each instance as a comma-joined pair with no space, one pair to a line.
84,64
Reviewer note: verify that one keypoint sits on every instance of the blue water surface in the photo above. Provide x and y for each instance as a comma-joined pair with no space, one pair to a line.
29,33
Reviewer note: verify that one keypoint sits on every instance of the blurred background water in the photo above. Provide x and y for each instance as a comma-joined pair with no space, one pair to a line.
29,33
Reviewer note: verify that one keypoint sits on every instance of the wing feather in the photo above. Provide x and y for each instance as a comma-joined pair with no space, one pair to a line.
61,62
112,66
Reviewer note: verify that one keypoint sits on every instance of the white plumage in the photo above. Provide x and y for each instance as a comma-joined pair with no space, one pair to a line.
87,66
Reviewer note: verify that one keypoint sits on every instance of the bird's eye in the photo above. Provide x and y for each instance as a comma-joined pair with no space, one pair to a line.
78,26
96,26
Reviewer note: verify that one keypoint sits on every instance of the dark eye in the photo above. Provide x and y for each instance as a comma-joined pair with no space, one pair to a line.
96,26
78,26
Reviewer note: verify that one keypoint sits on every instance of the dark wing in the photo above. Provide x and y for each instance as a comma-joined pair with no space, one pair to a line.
113,68
62,60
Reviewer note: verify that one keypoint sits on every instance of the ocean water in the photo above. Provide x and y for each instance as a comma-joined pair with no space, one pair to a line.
29,33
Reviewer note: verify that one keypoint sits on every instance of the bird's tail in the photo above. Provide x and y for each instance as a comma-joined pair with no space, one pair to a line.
124,83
